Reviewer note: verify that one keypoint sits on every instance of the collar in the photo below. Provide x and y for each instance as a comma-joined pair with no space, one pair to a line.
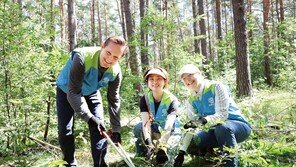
201,88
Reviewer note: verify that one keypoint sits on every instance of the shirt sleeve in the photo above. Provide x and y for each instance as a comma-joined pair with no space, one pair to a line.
173,108
221,105
172,114
74,96
143,104
191,113
114,103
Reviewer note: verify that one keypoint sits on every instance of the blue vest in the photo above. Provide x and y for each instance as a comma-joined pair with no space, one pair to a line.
91,83
205,105
162,112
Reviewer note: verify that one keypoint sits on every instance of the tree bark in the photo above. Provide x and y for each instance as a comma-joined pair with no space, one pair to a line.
72,25
202,27
267,70
144,47
250,32
134,60
195,28
48,102
123,26
106,21
218,19
243,76
52,29
282,14
99,23
62,21
210,55
225,17
92,22
277,10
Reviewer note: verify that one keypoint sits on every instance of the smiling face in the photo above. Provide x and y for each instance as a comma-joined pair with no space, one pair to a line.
156,82
192,81
111,54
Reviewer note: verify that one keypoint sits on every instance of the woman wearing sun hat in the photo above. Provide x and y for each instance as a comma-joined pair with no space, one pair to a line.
159,118
210,104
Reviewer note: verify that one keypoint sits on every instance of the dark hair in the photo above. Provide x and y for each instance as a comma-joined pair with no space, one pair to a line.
167,79
116,39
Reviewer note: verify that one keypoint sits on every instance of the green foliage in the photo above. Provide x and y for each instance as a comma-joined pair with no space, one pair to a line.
28,75
281,51
177,50
30,63
273,139
55,163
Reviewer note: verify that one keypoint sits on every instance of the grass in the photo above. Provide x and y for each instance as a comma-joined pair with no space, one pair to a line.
272,114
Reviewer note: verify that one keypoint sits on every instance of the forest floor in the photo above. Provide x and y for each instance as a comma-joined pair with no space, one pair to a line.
272,114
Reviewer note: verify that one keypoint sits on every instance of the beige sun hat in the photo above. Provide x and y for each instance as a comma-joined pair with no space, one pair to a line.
156,71
188,69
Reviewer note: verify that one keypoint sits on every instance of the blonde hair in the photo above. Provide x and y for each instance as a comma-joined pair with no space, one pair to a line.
117,40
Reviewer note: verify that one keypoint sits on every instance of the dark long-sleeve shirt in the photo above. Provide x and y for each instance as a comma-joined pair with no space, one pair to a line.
77,101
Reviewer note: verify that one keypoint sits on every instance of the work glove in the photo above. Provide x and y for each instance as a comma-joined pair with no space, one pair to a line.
161,156
97,122
179,159
201,121
116,137
150,148
190,124
195,124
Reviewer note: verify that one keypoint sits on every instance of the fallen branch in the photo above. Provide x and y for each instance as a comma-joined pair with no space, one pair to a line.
44,143
7,130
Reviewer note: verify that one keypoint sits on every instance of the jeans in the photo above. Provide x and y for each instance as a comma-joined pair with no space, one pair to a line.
65,115
228,134
140,145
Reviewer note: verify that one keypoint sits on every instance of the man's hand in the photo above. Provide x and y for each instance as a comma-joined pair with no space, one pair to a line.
116,137
99,123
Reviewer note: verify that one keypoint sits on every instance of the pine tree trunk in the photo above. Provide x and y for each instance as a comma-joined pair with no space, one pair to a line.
106,21
282,10
48,102
250,4
144,48
123,26
72,25
92,22
218,19
195,28
243,77
62,21
202,27
225,17
52,29
99,23
134,60
267,70
210,55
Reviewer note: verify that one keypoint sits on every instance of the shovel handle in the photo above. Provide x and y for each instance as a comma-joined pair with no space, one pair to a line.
120,150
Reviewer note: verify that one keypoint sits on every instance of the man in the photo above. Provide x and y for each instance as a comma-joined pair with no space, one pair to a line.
87,70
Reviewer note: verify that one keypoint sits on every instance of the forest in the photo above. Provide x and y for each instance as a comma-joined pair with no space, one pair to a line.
248,44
